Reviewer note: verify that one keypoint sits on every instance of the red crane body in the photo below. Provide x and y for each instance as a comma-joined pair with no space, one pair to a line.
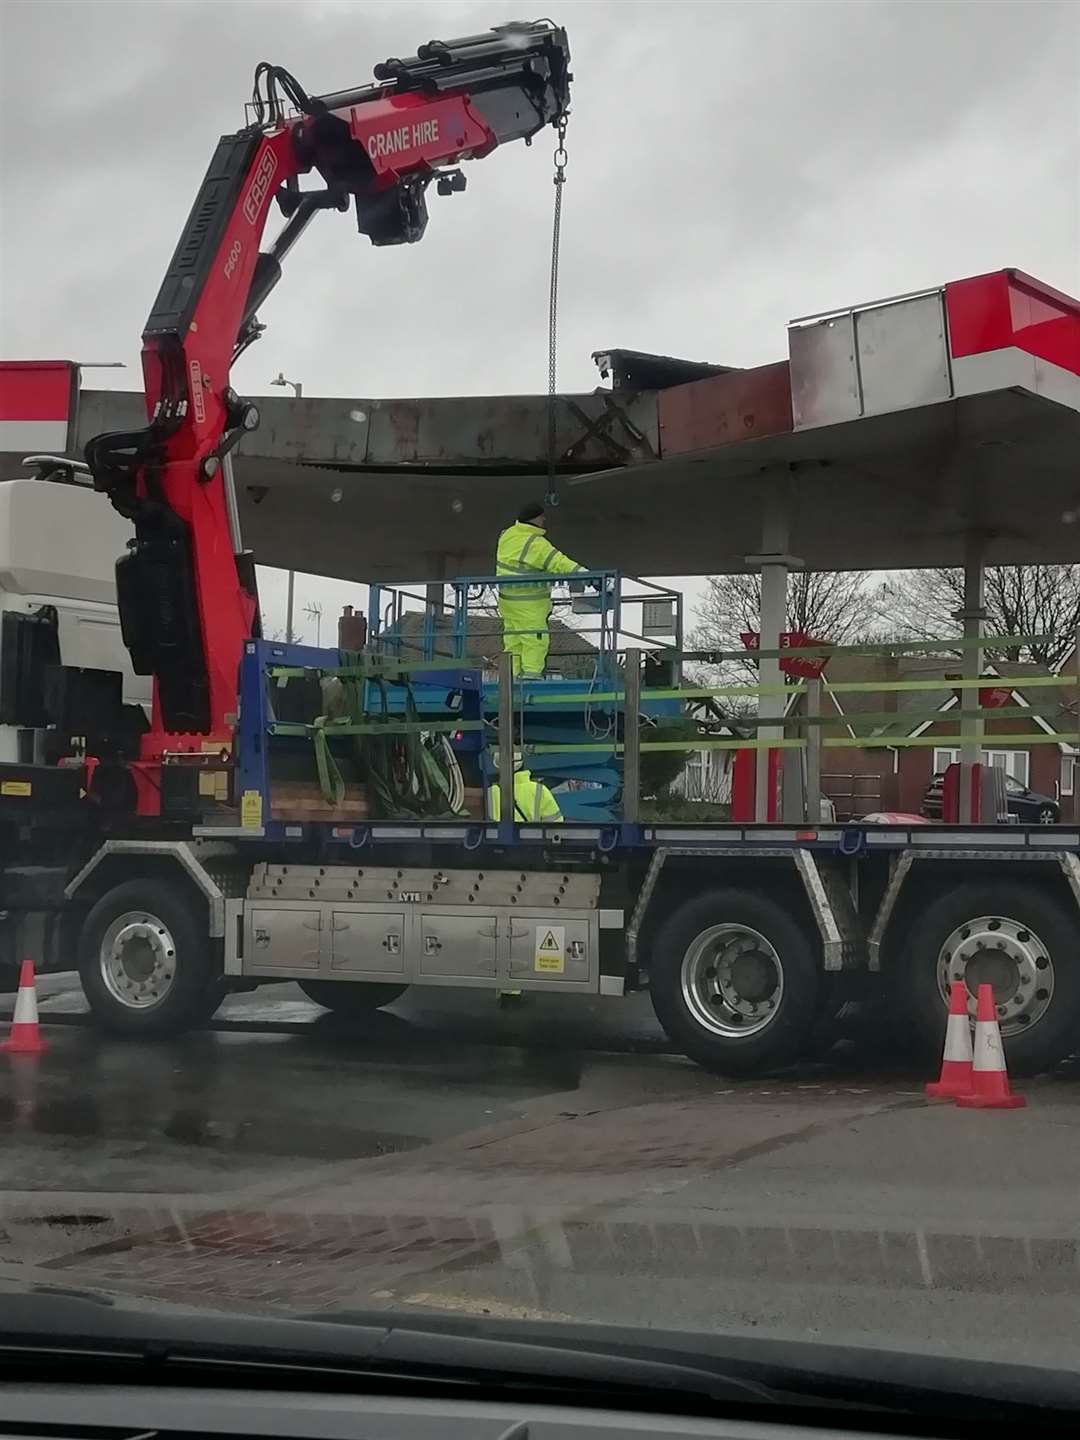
186,590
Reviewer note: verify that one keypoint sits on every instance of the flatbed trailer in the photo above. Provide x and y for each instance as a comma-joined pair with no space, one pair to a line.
798,921
750,937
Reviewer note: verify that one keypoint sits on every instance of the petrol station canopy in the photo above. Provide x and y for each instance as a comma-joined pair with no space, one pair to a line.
891,433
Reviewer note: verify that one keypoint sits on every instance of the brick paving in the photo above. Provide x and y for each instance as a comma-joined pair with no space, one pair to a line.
483,1196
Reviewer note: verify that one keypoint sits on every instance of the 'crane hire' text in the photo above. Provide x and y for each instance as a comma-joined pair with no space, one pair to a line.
405,137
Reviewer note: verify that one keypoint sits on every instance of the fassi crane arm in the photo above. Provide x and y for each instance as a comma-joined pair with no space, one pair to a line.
187,599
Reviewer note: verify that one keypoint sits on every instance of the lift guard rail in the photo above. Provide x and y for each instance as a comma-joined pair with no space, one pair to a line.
604,596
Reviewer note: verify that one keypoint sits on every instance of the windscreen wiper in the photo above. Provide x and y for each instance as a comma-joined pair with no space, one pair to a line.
64,1335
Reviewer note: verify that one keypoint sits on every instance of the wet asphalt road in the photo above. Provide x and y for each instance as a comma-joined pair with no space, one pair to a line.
554,1161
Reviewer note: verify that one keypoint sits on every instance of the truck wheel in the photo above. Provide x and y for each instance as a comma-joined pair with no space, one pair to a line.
351,997
735,982
1011,937
145,960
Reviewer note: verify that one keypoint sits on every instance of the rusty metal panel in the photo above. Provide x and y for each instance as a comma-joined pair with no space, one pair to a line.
329,432
470,432
481,431
445,433
723,409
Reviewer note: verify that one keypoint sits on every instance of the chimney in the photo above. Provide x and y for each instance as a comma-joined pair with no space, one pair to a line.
351,630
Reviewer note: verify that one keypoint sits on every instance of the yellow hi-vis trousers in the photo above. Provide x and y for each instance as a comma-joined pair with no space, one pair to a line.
525,632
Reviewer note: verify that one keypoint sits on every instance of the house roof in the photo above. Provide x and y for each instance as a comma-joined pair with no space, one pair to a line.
912,706
883,669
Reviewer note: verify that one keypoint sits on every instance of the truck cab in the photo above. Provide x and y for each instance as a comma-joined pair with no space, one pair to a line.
58,549
62,661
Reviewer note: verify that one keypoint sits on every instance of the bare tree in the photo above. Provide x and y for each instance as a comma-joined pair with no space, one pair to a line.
834,605
1021,600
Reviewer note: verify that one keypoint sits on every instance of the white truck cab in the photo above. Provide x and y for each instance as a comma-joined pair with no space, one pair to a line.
59,542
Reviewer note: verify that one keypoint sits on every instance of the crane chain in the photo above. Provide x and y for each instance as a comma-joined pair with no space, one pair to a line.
560,159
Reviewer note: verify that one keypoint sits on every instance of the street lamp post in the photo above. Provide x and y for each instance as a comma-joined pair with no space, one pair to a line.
298,391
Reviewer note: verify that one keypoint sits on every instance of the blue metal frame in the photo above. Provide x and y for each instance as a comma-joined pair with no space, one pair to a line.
550,724
583,835
613,837
256,717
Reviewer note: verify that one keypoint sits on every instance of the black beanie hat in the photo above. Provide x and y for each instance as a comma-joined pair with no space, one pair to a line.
532,511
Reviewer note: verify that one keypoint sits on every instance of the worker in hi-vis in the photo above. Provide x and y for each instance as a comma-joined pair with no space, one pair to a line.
524,549
532,799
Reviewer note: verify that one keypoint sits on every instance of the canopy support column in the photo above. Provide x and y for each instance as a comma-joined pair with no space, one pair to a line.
774,562
973,617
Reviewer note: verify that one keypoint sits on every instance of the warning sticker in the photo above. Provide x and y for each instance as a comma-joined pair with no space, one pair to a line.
551,949
251,810
16,787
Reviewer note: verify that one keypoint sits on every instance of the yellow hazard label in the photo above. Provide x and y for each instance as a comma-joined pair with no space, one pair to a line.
16,787
550,949
251,810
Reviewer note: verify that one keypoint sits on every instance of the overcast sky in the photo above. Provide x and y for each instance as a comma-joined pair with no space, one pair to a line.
731,166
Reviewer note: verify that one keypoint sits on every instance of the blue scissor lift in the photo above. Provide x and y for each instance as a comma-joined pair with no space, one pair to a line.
607,612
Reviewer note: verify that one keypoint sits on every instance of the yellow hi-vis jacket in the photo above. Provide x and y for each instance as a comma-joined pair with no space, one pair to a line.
524,550
532,801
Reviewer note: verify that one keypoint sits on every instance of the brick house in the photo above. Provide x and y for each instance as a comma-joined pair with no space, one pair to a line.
860,779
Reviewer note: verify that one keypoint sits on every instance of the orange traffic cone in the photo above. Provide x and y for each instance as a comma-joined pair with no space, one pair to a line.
25,1037
955,1079
989,1081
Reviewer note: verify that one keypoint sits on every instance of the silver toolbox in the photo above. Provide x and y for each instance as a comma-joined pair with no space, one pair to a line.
549,950
367,944
282,937
455,945
553,949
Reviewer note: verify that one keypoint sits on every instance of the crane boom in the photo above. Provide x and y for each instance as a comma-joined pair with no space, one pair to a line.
186,590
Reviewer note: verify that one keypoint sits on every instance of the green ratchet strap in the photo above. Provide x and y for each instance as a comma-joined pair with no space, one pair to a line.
982,682
330,779
404,777
858,742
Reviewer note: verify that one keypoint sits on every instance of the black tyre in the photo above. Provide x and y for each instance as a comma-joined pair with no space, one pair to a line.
146,963
1012,937
1048,815
351,997
735,982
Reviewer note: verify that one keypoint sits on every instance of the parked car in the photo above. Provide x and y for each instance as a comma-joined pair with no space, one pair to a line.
892,817
1029,807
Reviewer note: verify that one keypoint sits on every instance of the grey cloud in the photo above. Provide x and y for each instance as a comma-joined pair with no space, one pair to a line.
731,165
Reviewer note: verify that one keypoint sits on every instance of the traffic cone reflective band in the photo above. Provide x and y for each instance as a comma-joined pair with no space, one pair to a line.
955,1079
25,1037
989,1082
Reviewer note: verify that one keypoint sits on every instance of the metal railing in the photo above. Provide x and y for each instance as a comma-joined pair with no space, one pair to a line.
811,731
803,728
606,610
